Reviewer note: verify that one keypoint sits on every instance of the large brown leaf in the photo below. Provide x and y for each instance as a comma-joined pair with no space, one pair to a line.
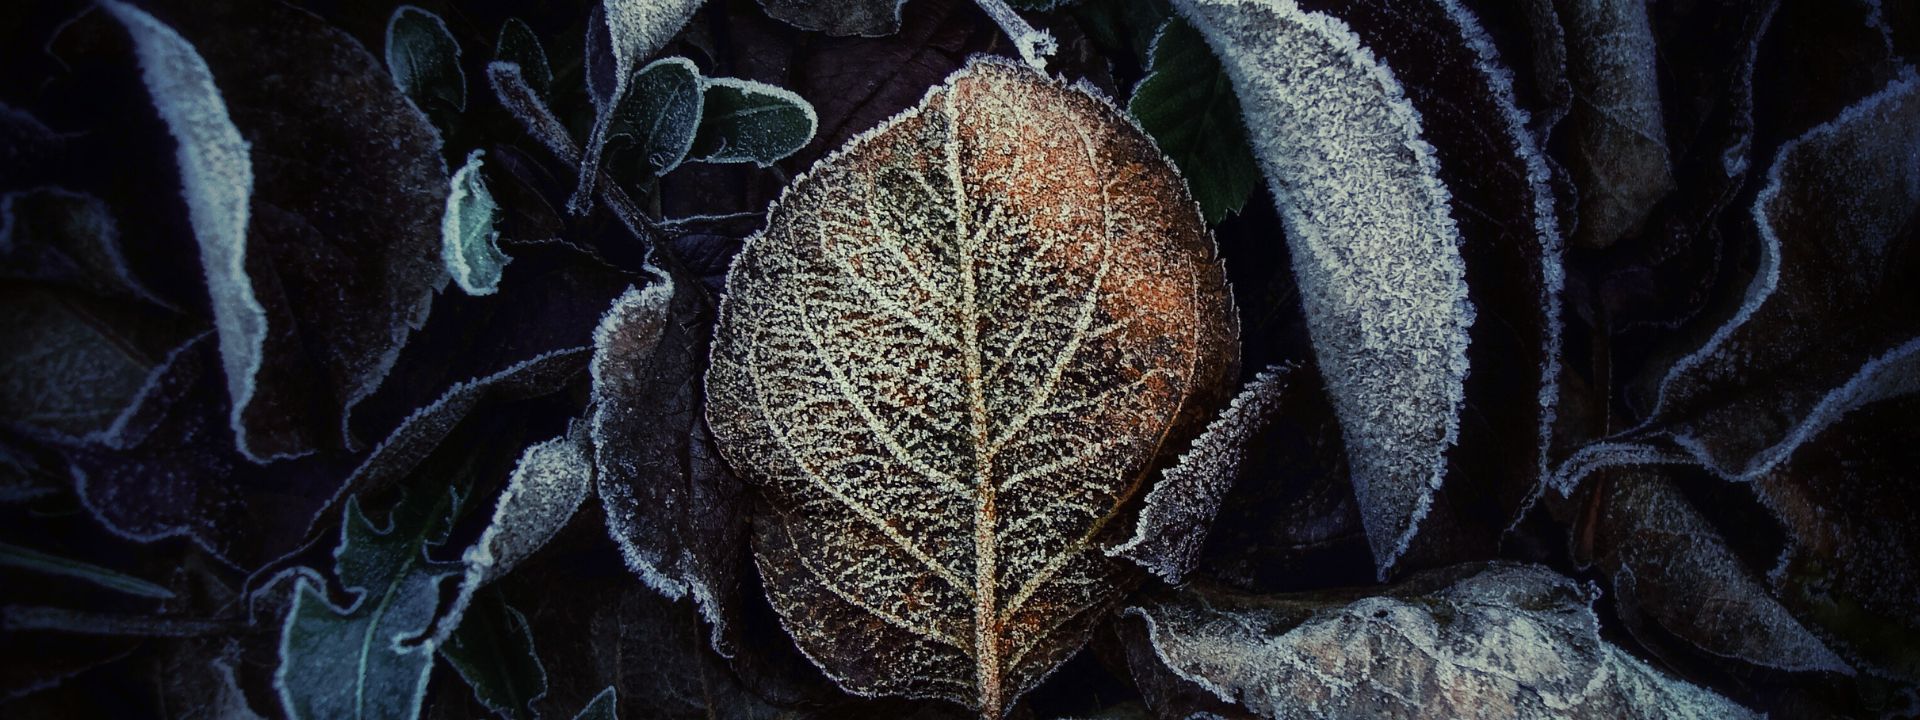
949,361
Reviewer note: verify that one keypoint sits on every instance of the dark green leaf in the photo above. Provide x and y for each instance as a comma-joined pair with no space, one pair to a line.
1187,104
369,659
659,113
493,651
518,45
425,59
14,556
747,121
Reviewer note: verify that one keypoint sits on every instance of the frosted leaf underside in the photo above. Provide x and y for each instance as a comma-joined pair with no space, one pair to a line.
1375,248
952,355
1486,641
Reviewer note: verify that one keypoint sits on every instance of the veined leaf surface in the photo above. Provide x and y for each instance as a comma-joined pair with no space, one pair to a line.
951,358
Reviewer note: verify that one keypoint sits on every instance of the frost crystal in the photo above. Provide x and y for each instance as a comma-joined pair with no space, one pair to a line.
948,362
216,173
1375,248
549,483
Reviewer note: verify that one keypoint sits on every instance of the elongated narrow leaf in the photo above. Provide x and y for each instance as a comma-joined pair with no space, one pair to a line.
1186,103
470,246
746,121
425,60
1173,525
369,659
20,558
1492,641
949,361
1375,248
216,171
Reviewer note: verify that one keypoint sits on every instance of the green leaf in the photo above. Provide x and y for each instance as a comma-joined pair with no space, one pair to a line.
518,45
605,706
747,121
14,556
493,651
369,659
470,246
1186,103
425,59
659,113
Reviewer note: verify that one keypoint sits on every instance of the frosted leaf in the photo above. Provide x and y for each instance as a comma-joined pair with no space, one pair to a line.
839,18
1846,502
216,174
672,507
368,659
549,483
1484,641
341,251
1825,325
1375,249
948,362
1173,525
1497,176
470,246
660,113
425,60
1619,158
629,30
747,121
518,45
1670,566
397,457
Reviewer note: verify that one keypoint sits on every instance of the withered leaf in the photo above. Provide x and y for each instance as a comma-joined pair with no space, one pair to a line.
1485,640
1619,137
1671,567
951,358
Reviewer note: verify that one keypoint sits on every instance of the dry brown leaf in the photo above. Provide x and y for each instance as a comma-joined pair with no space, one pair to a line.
949,362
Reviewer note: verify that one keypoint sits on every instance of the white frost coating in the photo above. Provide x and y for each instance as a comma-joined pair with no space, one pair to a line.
1173,525
1034,45
216,174
1506,642
1375,248
549,483
638,313
404,65
1566,478
1546,223
469,245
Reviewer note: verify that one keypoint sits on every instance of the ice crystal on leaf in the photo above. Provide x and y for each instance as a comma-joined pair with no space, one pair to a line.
1375,248
949,361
